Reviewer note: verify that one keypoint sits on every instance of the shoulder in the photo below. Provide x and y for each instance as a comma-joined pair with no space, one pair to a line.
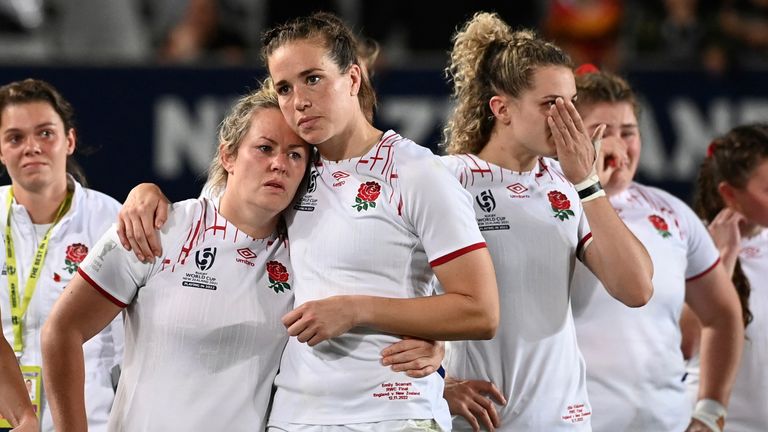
94,198
458,162
183,212
405,151
661,197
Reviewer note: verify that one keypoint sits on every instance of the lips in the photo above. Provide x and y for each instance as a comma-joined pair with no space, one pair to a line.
274,184
306,121
34,164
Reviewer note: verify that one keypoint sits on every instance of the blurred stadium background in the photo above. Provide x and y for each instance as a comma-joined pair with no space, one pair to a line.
151,79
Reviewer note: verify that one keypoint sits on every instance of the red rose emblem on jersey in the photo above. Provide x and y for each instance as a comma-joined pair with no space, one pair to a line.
366,195
560,205
75,255
278,276
660,224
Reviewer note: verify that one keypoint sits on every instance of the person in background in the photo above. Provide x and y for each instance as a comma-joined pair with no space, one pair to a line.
50,221
634,363
730,196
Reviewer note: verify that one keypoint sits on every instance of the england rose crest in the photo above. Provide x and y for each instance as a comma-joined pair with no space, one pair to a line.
366,195
278,276
560,205
660,224
76,253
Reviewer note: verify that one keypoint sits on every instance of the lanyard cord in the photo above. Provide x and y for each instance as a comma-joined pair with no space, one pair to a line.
19,309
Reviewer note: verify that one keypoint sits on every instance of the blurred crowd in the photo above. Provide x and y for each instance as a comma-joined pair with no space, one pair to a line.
717,35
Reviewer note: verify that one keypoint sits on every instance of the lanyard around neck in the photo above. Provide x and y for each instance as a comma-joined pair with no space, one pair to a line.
19,308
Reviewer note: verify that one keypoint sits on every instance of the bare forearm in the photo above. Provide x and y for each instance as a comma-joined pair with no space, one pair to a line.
721,345
616,256
14,400
64,376
442,317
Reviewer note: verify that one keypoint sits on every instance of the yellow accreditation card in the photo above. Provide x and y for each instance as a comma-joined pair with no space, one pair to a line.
33,379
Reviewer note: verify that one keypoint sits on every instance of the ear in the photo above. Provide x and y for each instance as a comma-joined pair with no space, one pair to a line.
227,160
728,194
71,141
356,78
500,108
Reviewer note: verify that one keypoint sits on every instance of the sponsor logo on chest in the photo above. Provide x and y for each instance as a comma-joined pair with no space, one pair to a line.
517,190
339,176
246,255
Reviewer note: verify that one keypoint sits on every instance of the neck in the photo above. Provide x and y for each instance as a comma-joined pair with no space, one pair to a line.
749,229
506,154
42,205
352,143
256,222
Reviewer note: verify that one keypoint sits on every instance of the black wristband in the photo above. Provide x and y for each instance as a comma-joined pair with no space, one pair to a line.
595,188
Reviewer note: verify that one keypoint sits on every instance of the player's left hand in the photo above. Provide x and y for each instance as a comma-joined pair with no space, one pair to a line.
575,149
416,357
319,320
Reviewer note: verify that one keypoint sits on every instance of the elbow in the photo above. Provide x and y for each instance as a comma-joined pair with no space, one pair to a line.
487,325
640,294
48,336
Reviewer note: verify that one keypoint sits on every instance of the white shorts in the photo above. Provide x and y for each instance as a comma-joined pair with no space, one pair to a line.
382,426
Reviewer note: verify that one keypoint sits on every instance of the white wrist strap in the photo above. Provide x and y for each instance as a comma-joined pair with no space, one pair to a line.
711,413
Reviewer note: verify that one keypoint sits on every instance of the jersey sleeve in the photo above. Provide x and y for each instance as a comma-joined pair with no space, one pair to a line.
702,252
440,211
117,273
584,233
114,271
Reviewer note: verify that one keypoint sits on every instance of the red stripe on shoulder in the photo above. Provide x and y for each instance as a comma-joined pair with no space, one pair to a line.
709,269
100,289
455,254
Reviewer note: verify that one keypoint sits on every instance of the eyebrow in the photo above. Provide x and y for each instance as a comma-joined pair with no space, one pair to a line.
301,75
41,125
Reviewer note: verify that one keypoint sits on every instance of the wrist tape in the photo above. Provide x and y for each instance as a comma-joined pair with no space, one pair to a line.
590,188
711,413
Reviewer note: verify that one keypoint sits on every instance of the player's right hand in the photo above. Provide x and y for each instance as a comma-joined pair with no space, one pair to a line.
145,210
474,400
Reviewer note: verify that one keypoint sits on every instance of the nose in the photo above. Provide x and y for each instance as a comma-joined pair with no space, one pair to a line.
300,100
280,162
31,146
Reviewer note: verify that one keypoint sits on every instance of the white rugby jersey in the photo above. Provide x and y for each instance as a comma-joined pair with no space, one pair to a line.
89,216
203,334
371,225
749,398
535,227
634,363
